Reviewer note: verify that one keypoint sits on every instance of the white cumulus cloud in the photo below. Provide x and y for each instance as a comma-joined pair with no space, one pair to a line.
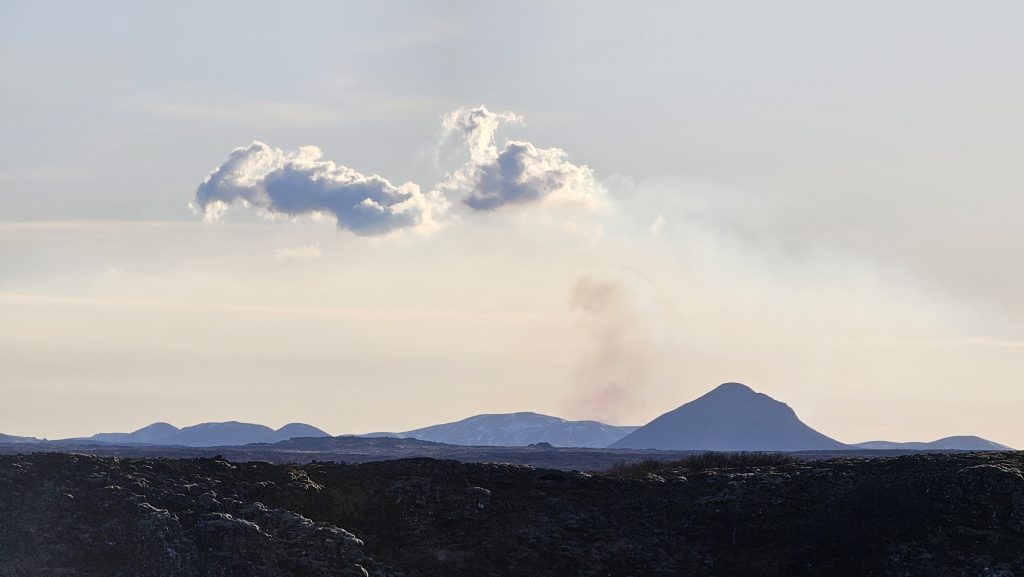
476,127
279,183
300,183
518,172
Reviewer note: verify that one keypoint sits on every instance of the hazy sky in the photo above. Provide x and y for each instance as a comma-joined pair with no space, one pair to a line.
821,200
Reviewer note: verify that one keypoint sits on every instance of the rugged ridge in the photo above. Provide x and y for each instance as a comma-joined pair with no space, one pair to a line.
732,417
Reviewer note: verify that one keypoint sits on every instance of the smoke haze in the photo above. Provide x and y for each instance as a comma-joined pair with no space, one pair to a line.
624,321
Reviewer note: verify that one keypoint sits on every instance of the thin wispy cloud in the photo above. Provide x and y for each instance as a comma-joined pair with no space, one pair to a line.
658,224
298,253
325,312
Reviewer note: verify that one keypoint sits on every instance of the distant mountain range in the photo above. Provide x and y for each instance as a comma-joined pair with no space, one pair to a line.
517,430
209,434
959,443
732,417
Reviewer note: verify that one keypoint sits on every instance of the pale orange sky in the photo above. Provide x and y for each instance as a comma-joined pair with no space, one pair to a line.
821,201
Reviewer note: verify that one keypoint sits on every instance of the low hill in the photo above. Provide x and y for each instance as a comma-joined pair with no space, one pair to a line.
149,434
956,443
518,430
209,434
16,439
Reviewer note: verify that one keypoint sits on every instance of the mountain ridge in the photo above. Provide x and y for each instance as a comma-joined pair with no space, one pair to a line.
952,443
210,434
731,417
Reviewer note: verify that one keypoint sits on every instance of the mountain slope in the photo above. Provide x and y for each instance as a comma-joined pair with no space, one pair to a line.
731,417
227,433
517,430
15,439
956,443
149,434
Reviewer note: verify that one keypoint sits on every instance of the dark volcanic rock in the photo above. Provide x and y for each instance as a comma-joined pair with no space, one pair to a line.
81,515
922,515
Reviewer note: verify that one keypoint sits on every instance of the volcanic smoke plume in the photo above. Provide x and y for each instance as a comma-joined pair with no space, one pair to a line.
623,319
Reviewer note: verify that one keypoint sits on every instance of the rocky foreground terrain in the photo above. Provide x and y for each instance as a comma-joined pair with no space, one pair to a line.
921,515
363,450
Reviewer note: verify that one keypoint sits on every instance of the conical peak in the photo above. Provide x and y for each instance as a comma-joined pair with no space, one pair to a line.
735,395
730,417
733,388
732,397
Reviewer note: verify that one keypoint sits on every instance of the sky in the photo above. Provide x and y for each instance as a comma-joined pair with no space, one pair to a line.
380,216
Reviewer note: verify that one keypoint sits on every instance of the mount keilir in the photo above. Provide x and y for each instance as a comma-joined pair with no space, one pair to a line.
732,417
518,430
